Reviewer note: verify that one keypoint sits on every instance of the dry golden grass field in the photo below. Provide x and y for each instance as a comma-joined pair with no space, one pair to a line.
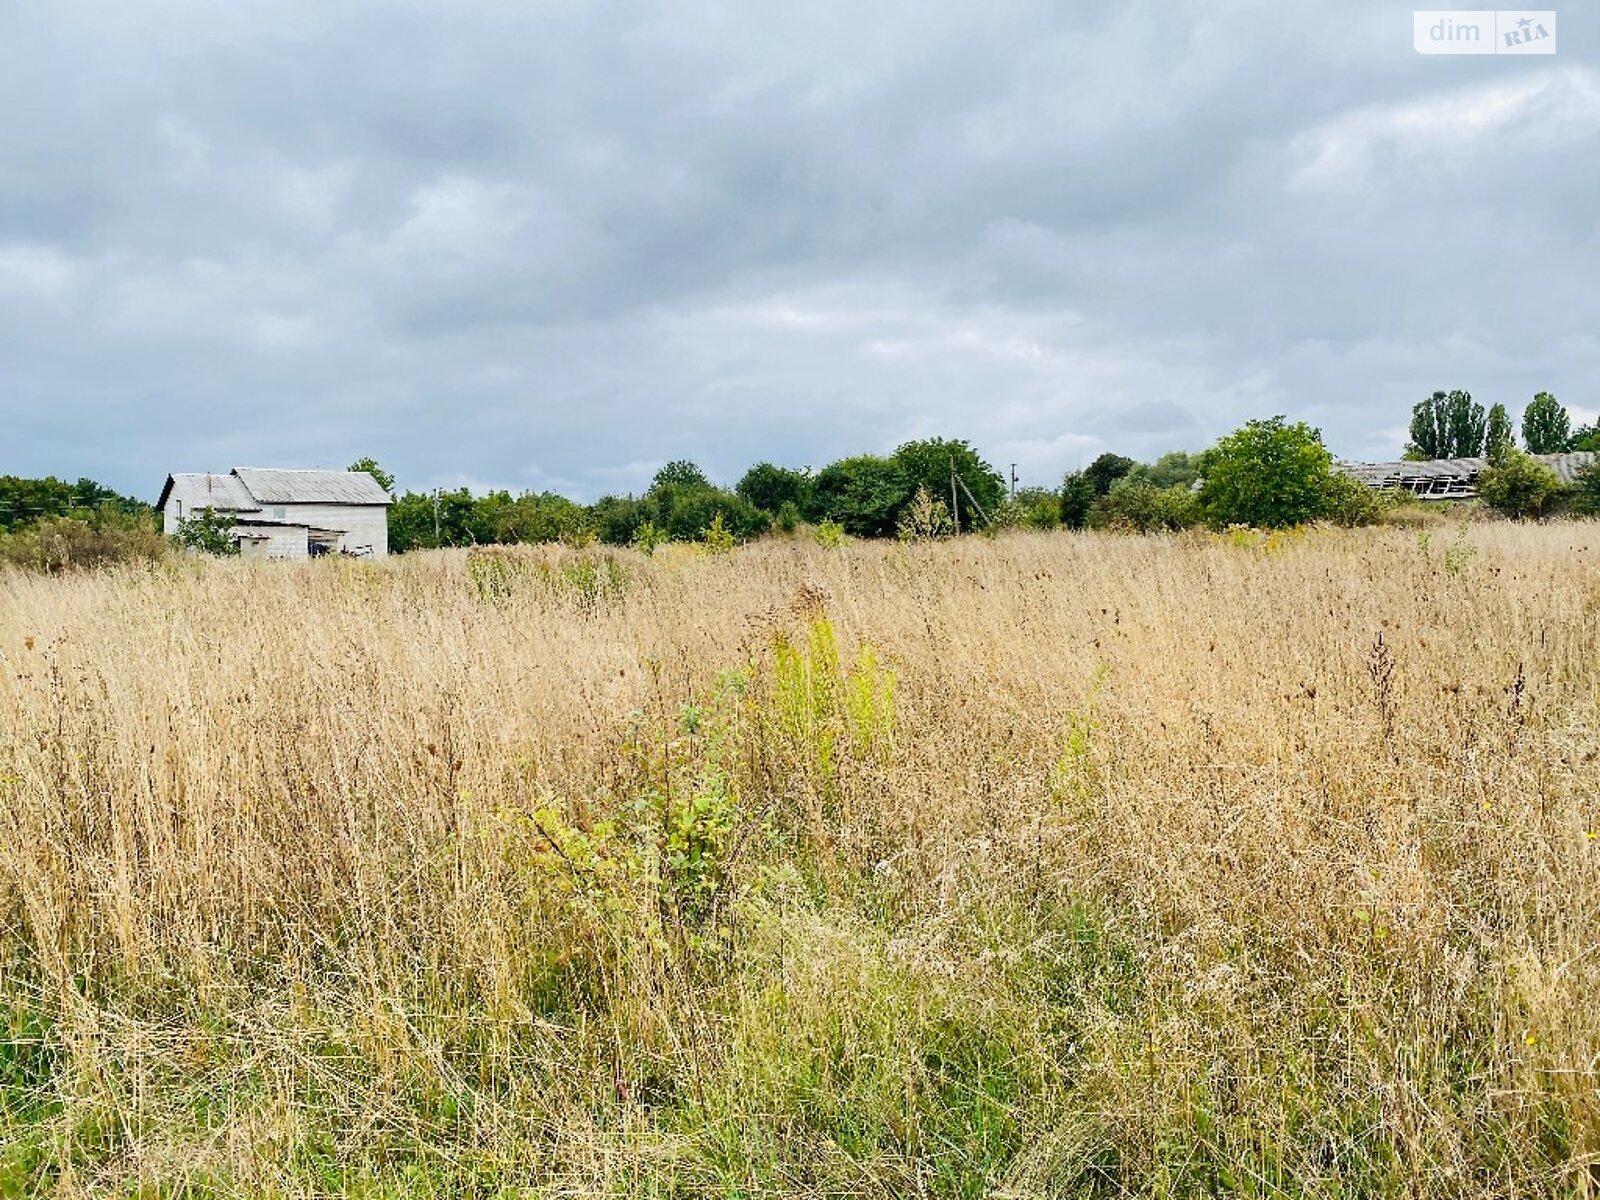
1047,865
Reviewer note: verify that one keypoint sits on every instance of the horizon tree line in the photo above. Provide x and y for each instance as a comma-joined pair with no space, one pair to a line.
935,484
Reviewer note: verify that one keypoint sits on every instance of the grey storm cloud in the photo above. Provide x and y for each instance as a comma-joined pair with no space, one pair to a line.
553,245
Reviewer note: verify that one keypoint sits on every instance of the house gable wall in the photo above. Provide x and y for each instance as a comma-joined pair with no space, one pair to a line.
280,542
365,526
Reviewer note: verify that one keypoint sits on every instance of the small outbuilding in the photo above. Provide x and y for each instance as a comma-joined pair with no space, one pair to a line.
286,514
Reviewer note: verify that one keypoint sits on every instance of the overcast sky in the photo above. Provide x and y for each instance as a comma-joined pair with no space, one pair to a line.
552,245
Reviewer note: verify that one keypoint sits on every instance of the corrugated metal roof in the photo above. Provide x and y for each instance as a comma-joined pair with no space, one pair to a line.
1568,466
1453,476
311,487
195,492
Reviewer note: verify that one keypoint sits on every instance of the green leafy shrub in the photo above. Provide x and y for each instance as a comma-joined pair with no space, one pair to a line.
863,495
718,538
587,578
69,543
685,511
1077,500
679,507
829,535
495,574
1520,487
1138,507
1030,508
686,810
654,879
529,519
1586,491
208,532
617,519
1349,502
771,488
647,537
1269,474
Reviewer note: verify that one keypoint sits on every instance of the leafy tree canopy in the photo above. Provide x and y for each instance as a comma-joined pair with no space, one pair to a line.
1077,499
1546,427
685,513
679,473
617,519
1106,470
1468,425
1270,474
414,518
1447,425
531,517
1499,437
208,532
371,467
769,487
1176,469
1032,508
864,494
1519,487
25,501
927,464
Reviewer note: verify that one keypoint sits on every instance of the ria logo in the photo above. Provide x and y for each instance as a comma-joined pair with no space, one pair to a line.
1484,31
1529,31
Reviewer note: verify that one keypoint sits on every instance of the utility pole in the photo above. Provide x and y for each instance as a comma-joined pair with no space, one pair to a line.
1013,481
972,502
955,507
436,516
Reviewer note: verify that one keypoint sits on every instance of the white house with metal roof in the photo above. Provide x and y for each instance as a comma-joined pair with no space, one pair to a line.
286,514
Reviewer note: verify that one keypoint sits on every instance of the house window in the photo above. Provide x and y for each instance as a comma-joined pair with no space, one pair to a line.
278,513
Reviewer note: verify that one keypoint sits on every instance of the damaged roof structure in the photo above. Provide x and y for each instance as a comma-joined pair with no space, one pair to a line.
1452,478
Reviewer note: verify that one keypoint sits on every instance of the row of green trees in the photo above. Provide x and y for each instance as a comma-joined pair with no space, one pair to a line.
1454,425
1270,474
866,495
51,525
24,502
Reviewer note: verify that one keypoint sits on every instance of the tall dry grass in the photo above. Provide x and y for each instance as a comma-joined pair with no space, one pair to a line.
1052,865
